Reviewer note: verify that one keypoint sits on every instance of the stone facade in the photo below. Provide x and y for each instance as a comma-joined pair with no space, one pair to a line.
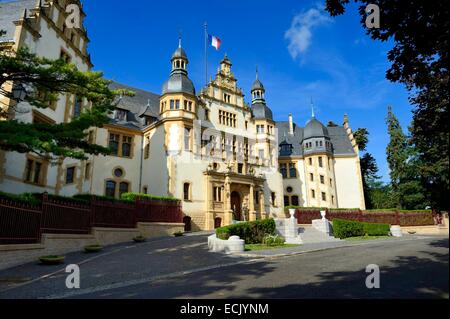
224,158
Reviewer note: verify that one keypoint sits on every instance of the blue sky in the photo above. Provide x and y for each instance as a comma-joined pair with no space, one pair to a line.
301,53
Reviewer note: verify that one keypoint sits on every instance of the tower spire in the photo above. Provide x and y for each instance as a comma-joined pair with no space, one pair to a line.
179,38
257,73
312,109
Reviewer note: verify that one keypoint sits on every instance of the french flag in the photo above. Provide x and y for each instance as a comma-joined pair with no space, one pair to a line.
214,41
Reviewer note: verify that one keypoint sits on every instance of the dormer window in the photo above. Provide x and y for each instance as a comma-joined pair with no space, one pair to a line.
121,115
285,149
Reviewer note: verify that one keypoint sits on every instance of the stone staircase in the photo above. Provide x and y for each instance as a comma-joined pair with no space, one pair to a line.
310,235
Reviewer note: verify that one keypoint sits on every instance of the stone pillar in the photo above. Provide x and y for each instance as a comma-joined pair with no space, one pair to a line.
228,212
262,204
209,205
251,199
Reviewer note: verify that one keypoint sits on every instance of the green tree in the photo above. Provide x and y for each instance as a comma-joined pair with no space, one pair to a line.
419,60
406,189
43,80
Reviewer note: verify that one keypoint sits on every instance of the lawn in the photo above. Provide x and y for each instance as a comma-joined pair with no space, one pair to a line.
253,247
367,238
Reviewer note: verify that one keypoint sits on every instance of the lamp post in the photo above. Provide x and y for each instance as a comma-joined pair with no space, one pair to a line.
19,92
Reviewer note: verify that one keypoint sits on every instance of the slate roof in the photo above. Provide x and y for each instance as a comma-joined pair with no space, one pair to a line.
338,137
261,111
10,12
143,103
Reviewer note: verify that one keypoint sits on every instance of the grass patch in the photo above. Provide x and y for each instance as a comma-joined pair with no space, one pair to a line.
367,238
254,247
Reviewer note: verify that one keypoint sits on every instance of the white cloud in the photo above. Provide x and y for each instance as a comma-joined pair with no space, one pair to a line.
299,34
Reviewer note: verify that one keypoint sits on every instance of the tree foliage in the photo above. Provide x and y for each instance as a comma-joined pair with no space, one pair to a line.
419,59
44,80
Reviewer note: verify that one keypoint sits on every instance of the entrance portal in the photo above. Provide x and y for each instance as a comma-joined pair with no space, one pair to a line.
236,205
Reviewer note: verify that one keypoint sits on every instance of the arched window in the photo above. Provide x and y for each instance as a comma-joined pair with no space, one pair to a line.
187,191
110,189
294,200
123,188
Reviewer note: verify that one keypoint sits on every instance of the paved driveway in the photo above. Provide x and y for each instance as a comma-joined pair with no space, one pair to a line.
183,268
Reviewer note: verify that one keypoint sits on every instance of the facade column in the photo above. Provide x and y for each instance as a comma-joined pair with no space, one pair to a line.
228,212
262,204
251,200
209,209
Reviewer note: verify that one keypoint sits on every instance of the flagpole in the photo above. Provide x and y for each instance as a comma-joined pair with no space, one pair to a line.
206,54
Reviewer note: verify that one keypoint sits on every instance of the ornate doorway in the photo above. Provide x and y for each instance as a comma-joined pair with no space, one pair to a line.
236,205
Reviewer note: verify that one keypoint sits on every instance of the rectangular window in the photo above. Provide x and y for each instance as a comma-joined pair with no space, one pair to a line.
286,201
77,106
147,147
217,194
294,200
186,191
172,104
70,175
177,104
324,196
126,146
87,171
283,170
273,198
332,199
34,171
227,118
322,179
313,193
311,177
320,161
114,144
187,139
145,190
292,170
310,161
331,182
240,168
110,189
206,115
37,172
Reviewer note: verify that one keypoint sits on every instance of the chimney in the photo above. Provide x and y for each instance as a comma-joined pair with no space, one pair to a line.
291,125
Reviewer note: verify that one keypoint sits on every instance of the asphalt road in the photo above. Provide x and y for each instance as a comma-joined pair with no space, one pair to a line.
416,268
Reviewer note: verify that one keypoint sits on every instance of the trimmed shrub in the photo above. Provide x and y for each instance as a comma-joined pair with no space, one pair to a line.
251,232
89,198
64,199
276,240
347,228
133,196
376,229
26,198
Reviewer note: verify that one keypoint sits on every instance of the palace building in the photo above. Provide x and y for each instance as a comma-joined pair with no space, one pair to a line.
226,160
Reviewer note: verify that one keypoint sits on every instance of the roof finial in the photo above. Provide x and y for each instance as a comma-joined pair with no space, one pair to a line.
179,38
257,73
312,109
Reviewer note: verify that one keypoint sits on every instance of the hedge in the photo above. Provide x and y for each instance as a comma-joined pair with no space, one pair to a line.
89,198
133,196
251,232
348,228
26,198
